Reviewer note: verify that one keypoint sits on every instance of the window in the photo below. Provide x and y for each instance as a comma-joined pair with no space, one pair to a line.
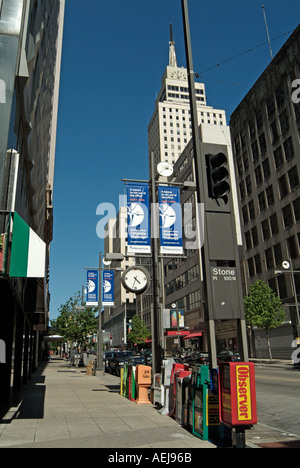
278,157
265,230
274,130
242,190
257,264
259,119
282,286
262,143
255,153
254,236
292,247
274,224
287,216
251,209
296,206
270,106
248,185
284,121
251,267
248,240
270,195
293,177
266,168
269,259
279,95
283,188
288,148
262,201
258,175
245,214
246,162
277,254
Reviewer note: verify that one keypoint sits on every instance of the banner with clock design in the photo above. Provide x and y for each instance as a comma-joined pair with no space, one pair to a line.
170,220
108,287
92,288
138,219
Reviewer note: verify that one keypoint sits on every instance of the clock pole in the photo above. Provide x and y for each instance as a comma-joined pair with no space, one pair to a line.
156,309
100,333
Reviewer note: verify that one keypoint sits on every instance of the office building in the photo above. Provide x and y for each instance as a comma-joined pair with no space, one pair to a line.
265,131
31,35
169,130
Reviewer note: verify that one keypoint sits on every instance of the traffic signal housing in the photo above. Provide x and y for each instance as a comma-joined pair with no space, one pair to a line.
217,175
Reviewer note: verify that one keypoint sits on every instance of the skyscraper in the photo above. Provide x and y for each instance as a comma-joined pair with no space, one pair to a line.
169,130
31,45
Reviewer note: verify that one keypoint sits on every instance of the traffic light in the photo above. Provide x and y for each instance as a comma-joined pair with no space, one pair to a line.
217,175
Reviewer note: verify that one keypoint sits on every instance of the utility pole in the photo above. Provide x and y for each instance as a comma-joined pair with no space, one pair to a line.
200,169
156,309
100,333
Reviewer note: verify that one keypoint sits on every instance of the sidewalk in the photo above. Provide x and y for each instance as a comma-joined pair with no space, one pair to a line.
62,407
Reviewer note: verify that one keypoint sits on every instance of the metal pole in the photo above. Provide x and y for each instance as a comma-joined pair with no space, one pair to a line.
296,300
199,171
156,315
100,334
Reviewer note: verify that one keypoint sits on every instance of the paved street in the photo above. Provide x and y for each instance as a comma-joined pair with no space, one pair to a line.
278,409
64,408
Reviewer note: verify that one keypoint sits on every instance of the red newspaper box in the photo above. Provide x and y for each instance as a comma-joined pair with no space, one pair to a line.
237,394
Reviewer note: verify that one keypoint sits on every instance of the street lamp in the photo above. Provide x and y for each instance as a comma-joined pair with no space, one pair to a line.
288,268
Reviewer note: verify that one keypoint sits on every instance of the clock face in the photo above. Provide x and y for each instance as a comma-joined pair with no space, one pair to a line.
178,74
136,279
165,169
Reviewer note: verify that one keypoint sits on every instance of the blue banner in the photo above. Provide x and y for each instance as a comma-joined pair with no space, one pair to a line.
138,219
170,220
92,287
108,287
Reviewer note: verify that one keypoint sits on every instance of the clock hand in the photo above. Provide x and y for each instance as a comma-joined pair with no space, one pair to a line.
137,280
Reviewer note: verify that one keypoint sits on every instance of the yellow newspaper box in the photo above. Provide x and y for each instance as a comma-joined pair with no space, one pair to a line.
143,381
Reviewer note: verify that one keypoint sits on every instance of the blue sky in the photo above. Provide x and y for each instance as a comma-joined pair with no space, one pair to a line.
114,55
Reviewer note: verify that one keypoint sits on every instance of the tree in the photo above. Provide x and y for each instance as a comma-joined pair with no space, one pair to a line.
75,324
139,333
263,309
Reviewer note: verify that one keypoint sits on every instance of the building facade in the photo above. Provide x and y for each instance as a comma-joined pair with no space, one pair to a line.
265,131
170,129
31,35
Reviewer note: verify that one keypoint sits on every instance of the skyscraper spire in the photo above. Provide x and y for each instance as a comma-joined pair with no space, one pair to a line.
172,52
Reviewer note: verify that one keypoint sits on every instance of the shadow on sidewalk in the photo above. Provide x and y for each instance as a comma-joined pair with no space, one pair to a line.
29,403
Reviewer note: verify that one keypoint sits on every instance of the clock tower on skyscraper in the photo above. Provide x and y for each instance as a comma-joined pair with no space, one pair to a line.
170,129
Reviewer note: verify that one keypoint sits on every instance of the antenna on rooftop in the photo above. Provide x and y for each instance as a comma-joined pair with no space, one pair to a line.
171,35
172,52
263,7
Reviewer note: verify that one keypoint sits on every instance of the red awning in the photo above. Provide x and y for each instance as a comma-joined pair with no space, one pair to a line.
175,333
190,336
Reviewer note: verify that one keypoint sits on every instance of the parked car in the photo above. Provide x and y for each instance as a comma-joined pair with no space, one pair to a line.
108,355
229,356
148,356
118,361
136,360
196,357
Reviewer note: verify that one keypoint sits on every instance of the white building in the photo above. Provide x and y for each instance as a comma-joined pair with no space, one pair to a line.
170,128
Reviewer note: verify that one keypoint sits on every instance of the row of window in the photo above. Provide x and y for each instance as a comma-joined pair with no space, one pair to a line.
183,89
182,280
276,111
274,256
270,226
282,154
266,199
190,302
